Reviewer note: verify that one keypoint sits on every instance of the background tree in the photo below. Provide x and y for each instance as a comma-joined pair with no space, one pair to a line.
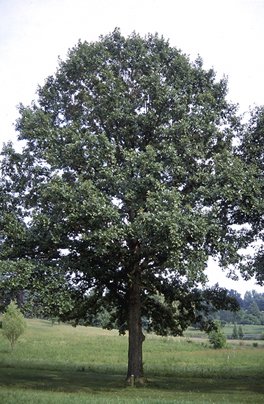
13,324
235,332
217,337
248,299
238,316
237,295
259,299
253,309
127,182
240,332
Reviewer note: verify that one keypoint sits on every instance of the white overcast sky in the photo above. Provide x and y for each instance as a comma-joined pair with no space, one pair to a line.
228,35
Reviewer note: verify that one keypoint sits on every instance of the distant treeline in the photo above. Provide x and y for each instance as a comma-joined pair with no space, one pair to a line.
251,312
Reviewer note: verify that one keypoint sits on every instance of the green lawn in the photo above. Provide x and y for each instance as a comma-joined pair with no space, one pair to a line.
62,364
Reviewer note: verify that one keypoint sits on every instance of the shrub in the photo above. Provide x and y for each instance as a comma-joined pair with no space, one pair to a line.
13,324
235,332
217,338
240,332
251,320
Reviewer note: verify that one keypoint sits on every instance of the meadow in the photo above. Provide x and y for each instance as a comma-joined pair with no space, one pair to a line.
64,365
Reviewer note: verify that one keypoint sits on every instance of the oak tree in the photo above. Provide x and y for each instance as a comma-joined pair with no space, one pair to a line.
128,181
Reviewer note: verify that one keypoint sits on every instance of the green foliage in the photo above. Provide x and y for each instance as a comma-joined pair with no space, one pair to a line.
217,338
250,312
235,332
128,181
13,324
253,309
102,319
240,332
251,149
250,319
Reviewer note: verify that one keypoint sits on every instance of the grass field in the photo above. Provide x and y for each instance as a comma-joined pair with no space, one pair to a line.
228,329
65,365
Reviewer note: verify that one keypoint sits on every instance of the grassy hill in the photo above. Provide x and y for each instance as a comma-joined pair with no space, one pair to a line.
62,364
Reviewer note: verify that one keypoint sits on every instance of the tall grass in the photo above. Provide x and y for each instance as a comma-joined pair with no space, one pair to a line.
63,347
61,364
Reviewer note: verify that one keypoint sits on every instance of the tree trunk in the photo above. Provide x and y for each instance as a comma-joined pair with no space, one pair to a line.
136,336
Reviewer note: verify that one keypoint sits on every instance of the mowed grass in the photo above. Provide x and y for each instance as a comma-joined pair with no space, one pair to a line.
62,365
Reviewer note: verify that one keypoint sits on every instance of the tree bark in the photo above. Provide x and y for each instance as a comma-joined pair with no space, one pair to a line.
136,337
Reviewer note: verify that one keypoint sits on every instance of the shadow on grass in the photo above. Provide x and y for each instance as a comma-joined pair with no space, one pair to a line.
47,380
93,382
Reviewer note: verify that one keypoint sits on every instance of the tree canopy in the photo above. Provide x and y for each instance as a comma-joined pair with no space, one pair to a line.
128,181
251,150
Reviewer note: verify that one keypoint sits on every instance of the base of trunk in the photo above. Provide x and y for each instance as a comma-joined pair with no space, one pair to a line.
133,380
135,334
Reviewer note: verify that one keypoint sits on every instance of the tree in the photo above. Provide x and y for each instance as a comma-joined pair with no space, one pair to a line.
217,337
235,332
127,183
237,295
254,310
240,332
248,299
13,324
251,149
238,316
259,299
250,319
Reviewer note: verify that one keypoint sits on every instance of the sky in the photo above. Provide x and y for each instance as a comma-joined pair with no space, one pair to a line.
228,35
